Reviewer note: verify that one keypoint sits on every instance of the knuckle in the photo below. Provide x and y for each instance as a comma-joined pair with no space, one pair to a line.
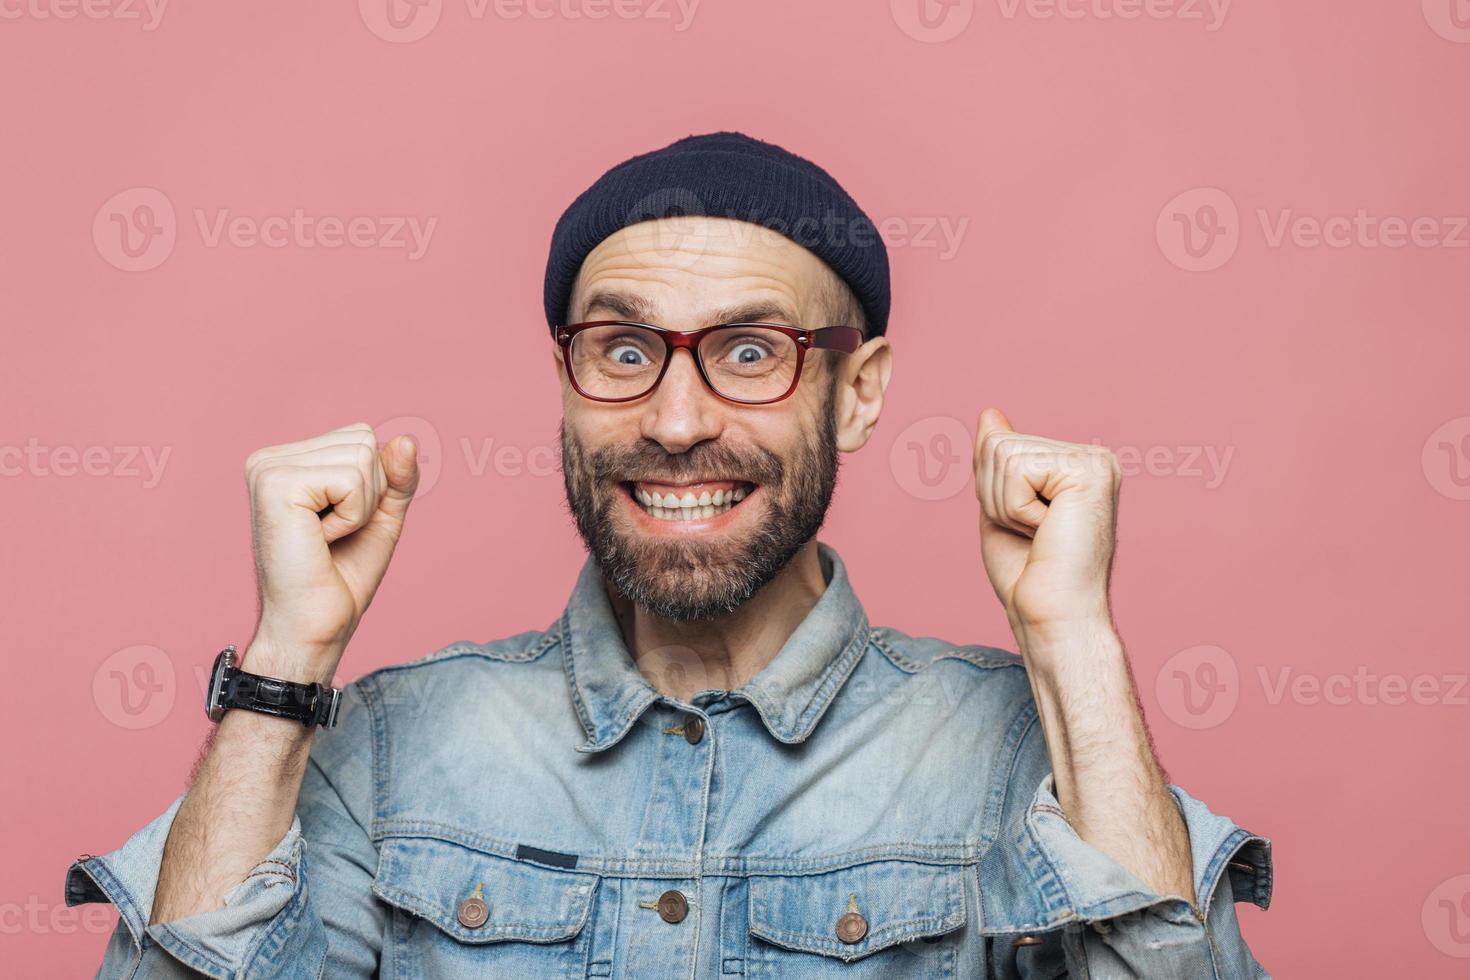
270,480
365,453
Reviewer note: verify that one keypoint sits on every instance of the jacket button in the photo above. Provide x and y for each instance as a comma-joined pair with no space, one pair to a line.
1026,941
673,906
473,912
852,927
693,729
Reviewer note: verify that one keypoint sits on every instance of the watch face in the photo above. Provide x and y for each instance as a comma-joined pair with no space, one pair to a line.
212,706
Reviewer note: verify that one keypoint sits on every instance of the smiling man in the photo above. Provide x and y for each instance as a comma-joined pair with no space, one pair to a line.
711,764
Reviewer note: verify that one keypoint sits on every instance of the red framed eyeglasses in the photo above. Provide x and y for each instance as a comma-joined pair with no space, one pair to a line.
746,363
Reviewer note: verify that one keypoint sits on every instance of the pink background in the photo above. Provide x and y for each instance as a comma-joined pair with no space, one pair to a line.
1324,546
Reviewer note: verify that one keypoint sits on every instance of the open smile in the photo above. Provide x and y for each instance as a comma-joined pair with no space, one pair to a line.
694,502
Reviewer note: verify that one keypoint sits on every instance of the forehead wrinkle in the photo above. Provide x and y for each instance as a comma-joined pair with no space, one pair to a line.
744,298
760,273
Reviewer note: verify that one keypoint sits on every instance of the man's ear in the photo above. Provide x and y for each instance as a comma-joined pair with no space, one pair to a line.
860,387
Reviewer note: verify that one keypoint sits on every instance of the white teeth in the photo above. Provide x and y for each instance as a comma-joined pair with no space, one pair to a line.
669,507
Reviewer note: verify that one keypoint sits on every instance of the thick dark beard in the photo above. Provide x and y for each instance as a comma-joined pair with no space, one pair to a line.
696,580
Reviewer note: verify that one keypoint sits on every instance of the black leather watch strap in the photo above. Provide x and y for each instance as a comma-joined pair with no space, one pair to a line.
231,687
310,704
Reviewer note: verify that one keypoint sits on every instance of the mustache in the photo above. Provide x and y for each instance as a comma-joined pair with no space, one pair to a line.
647,460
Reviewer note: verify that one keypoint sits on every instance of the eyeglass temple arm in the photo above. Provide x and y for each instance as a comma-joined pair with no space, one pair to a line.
845,339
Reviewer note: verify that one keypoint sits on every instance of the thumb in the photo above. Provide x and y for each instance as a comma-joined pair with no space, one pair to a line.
401,467
991,420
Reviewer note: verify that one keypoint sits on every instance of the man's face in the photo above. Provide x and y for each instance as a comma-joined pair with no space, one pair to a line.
691,503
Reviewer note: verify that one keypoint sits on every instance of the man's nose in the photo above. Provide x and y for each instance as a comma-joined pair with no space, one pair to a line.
682,412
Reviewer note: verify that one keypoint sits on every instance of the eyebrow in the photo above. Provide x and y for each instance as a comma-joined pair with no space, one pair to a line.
626,306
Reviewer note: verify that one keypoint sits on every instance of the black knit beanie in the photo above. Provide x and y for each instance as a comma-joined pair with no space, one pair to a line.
725,175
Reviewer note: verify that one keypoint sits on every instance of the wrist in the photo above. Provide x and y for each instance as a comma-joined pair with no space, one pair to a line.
306,664
1082,657
1088,629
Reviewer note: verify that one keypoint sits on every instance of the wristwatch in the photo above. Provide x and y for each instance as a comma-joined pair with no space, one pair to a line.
231,687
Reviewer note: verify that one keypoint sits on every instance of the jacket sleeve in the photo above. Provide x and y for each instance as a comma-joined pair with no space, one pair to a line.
305,911
1087,913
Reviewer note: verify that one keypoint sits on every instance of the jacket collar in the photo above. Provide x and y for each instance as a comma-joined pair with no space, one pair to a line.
790,693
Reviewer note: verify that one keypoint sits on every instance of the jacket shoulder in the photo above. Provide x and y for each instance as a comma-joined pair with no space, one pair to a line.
524,647
915,654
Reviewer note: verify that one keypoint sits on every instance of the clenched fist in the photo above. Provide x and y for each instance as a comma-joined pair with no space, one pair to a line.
326,514
1048,524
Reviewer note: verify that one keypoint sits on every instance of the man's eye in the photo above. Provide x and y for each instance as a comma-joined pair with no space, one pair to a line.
747,353
627,354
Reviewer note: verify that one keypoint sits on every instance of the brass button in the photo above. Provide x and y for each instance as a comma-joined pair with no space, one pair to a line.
852,927
693,729
1026,941
673,906
473,912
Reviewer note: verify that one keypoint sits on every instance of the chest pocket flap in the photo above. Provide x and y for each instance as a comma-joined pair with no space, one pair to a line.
433,878
855,911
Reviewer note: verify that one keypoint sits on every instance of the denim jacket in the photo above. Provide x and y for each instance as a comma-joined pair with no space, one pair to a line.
870,804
